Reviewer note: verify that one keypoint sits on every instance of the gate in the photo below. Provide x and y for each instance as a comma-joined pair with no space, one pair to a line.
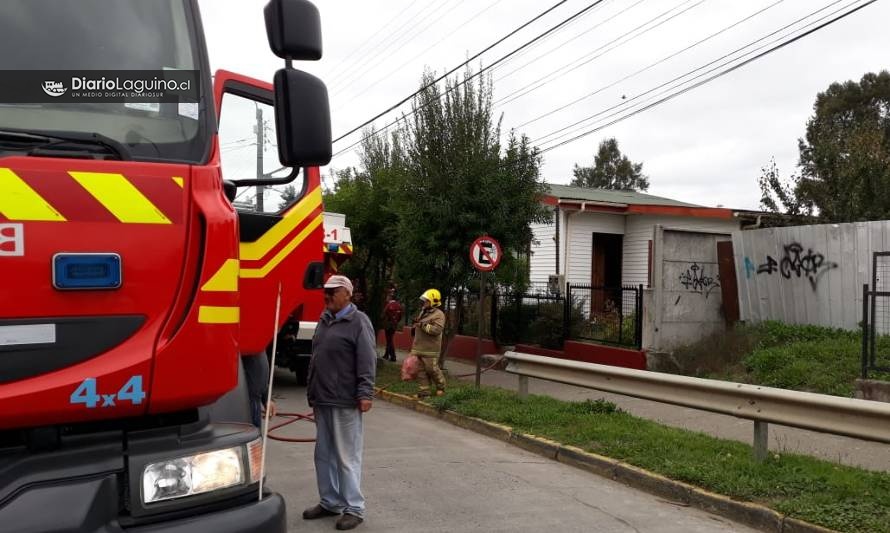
876,317
604,314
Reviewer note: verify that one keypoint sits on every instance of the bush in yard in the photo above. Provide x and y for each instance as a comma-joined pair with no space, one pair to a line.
774,354
826,366
514,322
547,328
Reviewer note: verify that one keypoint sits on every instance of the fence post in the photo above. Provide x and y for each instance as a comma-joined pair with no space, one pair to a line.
567,313
873,331
638,329
523,386
493,322
761,440
621,314
865,343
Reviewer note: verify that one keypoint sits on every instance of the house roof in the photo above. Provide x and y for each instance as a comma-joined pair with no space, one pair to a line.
587,194
628,203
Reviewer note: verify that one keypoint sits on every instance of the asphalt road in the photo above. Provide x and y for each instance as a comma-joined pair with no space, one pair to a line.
421,474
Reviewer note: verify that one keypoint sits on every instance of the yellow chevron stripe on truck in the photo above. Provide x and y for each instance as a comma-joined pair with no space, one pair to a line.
225,279
208,314
18,201
263,271
254,251
120,197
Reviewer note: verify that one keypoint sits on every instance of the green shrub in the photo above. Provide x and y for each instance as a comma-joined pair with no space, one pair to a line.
826,366
798,357
547,328
514,322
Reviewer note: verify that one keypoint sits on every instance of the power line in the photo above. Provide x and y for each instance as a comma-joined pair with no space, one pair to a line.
522,53
503,59
338,67
719,74
455,69
689,73
652,65
448,34
470,77
582,34
383,41
592,56
391,42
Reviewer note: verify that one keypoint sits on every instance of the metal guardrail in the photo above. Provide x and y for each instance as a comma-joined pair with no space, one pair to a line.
861,419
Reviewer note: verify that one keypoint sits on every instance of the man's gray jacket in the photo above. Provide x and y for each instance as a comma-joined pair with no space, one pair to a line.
344,360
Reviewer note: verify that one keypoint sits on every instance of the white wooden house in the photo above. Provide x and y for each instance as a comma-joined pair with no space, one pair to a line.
604,238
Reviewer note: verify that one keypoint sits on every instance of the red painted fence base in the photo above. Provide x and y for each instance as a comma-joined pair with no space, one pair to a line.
592,353
464,347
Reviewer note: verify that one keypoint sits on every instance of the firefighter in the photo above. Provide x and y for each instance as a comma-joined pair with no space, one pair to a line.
428,329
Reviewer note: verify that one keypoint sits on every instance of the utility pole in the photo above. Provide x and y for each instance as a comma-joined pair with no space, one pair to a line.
260,135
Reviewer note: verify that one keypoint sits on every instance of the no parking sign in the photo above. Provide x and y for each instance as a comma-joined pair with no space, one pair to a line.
485,254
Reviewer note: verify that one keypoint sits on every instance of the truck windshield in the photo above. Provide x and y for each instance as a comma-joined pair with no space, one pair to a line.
107,35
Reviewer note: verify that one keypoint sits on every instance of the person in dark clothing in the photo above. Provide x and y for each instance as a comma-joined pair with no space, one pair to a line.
340,391
256,373
392,315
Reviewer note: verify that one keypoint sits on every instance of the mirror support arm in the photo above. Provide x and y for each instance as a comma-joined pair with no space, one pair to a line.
294,174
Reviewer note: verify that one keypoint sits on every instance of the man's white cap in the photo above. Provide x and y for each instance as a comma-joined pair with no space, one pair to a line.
338,281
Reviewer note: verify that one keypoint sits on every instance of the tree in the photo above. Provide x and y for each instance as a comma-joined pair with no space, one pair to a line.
845,157
779,195
421,195
462,183
366,198
288,196
611,170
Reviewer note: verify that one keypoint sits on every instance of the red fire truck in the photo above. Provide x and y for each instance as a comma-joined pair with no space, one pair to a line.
130,288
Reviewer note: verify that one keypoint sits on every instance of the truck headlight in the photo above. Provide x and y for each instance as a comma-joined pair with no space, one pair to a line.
194,474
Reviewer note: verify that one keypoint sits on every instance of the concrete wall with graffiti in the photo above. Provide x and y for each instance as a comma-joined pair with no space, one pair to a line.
807,274
686,302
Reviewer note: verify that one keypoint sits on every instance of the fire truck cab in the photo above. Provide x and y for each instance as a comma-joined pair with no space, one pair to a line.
130,288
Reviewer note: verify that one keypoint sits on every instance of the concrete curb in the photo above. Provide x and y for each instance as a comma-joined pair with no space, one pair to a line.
750,514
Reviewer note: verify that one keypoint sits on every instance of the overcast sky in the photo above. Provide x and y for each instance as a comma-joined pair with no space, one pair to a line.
705,146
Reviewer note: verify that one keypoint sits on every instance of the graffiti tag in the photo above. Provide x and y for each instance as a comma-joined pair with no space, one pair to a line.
695,280
749,267
797,262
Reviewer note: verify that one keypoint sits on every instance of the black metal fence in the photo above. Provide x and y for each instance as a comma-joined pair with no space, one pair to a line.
876,317
603,314
533,316
547,316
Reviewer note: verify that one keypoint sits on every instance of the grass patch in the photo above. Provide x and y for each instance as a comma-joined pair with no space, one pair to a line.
839,497
805,358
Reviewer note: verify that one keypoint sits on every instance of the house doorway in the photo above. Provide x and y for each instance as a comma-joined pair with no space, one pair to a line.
607,253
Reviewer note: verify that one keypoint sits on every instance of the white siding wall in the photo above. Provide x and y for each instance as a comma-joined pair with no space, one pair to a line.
640,230
582,226
542,263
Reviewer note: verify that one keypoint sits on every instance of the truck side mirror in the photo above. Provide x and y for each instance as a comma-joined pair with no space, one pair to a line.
302,119
294,29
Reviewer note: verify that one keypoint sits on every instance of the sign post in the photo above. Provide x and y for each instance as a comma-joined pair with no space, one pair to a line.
485,254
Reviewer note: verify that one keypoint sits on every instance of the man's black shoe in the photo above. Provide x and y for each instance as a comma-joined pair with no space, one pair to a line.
348,521
316,512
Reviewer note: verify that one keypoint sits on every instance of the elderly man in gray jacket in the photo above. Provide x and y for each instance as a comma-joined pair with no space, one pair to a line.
340,389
